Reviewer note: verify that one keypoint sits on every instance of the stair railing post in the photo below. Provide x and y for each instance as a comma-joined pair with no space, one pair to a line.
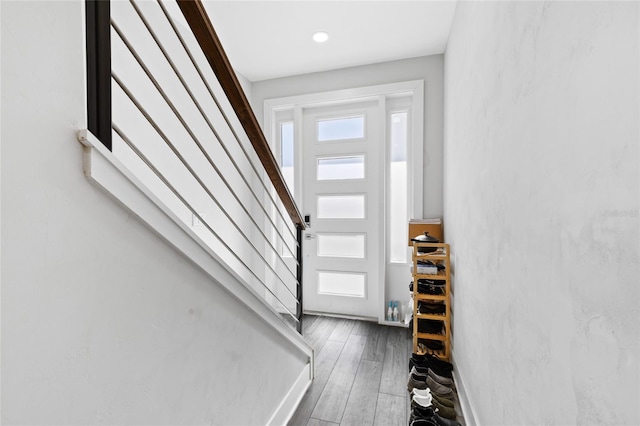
299,228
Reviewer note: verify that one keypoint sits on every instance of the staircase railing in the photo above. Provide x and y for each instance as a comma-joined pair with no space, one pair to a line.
179,119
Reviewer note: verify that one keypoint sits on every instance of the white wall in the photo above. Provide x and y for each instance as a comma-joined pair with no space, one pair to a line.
427,68
246,85
541,209
102,321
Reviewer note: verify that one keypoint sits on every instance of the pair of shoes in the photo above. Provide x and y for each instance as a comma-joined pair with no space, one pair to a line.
433,287
447,402
429,414
434,345
424,398
432,308
446,381
420,380
427,264
425,268
438,366
443,410
424,372
441,421
438,389
430,326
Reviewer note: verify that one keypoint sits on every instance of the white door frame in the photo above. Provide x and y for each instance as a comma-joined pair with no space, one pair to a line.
414,88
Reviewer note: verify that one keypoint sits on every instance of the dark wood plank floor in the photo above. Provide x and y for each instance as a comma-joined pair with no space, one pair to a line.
361,374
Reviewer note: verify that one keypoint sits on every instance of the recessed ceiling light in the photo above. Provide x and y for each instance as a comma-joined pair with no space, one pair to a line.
320,37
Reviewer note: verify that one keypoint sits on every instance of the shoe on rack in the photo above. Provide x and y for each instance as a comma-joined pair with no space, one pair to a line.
431,345
420,359
423,422
441,421
414,382
417,360
422,401
444,411
432,308
433,287
430,326
446,401
447,381
418,412
421,392
438,389
420,373
439,366
423,371
442,367
419,377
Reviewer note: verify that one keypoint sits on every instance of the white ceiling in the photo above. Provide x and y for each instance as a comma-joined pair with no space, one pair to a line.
269,39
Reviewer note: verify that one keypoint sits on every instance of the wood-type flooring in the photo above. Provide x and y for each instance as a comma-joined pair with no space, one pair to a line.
361,374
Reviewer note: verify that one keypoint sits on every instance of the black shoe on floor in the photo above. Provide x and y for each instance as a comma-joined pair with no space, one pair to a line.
441,421
423,422
418,412
440,367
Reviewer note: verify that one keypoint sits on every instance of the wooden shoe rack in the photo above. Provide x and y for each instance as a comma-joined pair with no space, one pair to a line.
440,256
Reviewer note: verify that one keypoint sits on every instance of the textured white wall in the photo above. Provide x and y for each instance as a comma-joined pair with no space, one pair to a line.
246,85
103,322
427,68
541,209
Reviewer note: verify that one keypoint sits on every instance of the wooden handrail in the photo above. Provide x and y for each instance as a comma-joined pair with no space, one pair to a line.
200,24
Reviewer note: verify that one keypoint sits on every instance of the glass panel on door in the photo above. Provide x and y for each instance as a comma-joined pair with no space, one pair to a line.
336,129
341,245
341,283
350,206
337,168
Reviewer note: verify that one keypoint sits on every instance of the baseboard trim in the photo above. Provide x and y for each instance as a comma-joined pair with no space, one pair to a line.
343,316
291,401
468,411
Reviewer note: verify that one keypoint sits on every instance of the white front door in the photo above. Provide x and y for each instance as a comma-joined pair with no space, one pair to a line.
343,181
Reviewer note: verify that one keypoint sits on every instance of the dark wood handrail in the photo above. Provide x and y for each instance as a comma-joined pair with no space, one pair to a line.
200,24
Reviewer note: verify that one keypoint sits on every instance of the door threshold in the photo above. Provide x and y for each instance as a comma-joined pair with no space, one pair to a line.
343,316
394,323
